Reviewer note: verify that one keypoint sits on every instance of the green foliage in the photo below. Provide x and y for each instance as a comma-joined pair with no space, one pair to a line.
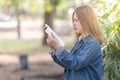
33,6
50,4
111,51
16,2
2,2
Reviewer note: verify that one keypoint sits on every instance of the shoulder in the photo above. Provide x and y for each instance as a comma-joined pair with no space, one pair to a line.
94,41
91,42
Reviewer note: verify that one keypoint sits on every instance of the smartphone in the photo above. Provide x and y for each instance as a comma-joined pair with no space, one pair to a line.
48,30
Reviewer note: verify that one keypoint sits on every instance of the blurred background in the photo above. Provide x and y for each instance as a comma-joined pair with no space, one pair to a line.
23,49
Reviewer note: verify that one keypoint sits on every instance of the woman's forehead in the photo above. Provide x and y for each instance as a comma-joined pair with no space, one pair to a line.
74,16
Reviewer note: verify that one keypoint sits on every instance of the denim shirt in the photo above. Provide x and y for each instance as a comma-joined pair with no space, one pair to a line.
83,62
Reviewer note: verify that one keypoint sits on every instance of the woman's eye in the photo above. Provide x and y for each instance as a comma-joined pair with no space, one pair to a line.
76,20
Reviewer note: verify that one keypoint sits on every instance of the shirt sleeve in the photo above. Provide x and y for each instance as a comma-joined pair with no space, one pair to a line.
83,57
55,58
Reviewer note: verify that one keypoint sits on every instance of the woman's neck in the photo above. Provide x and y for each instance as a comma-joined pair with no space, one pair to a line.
83,35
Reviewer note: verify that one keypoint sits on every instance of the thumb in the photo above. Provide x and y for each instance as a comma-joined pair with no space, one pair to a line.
52,35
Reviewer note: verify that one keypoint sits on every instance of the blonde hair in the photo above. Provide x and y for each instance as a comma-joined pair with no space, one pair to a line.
89,22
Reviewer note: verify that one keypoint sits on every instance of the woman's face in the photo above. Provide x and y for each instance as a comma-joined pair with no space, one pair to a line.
77,25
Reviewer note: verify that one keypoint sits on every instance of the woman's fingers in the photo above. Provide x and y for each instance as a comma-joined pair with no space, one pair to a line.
52,42
52,35
50,39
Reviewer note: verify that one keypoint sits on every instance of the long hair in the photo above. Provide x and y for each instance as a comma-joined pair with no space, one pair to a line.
89,22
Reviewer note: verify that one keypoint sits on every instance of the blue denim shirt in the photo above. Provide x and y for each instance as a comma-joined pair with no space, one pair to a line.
83,62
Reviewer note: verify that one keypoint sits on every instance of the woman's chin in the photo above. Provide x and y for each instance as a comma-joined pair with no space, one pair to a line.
76,31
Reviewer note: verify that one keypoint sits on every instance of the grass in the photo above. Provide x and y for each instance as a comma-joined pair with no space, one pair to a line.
26,46
18,45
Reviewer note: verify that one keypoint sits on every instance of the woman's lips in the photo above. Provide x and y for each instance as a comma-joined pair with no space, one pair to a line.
75,27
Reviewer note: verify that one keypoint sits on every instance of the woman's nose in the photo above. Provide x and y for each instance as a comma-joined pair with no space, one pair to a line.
74,23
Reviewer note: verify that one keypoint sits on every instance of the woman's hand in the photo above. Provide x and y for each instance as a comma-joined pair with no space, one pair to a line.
52,42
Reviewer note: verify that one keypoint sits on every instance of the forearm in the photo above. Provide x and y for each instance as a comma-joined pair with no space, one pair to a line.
56,60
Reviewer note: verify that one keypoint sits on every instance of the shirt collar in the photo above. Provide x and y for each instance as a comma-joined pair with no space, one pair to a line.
83,38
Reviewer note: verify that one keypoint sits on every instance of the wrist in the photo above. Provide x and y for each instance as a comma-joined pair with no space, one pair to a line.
56,48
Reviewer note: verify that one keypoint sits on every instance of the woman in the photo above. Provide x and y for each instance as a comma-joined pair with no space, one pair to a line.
84,61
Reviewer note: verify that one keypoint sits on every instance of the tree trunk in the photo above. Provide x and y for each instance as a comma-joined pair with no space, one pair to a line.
49,18
18,23
18,29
